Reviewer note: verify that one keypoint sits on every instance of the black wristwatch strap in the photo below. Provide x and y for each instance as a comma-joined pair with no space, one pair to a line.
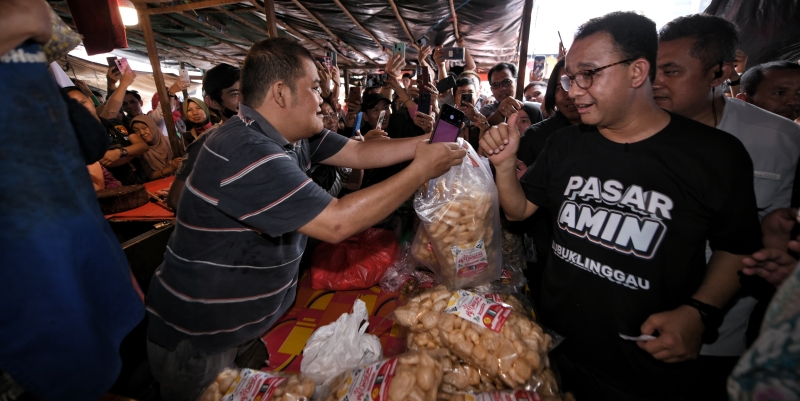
711,316
734,83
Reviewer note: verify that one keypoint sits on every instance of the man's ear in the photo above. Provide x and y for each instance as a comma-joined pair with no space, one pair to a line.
743,96
279,91
721,74
640,71
212,103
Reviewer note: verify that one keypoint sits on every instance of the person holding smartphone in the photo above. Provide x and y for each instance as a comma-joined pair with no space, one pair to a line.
467,96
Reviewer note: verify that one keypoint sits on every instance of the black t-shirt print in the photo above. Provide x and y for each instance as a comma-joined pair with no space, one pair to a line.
630,226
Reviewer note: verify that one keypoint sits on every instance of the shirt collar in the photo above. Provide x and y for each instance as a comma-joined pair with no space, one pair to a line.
250,116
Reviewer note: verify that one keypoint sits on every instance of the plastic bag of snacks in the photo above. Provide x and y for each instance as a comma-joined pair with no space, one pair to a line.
510,395
400,274
422,250
461,213
254,385
414,376
355,263
483,332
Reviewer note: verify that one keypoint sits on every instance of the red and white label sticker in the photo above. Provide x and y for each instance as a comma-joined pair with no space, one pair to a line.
513,395
371,382
253,385
470,261
478,309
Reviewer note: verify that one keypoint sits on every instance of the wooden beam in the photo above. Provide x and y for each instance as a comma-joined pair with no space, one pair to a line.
152,51
358,24
185,7
346,82
523,57
455,20
269,13
243,21
325,28
403,24
211,53
310,41
230,37
199,32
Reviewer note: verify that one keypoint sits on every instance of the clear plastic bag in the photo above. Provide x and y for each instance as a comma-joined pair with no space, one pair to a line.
254,385
340,345
400,274
422,250
414,376
483,332
460,212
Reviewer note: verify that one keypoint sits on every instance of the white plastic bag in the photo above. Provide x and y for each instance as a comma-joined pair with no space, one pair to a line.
340,346
460,213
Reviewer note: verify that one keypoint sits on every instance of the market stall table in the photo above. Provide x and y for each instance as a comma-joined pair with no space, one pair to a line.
150,211
313,309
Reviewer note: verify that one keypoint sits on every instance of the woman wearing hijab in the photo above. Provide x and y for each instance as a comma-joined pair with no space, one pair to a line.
198,119
157,162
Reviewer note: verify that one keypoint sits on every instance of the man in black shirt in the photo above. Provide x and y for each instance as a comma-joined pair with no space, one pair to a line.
636,194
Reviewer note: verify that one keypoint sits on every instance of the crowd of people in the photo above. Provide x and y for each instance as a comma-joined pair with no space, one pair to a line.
652,176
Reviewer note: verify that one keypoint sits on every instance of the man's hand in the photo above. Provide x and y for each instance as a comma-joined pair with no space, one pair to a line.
740,61
680,335
438,55
424,121
424,52
509,106
113,75
468,109
777,228
461,42
111,156
394,66
434,159
83,87
413,91
175,163
375,134
501,142
127,79
773,265
176,87
324,79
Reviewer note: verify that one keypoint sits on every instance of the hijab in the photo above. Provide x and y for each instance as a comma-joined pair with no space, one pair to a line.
159,153
206,124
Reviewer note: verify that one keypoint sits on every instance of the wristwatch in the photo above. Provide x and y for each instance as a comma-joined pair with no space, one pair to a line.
711,316
123,152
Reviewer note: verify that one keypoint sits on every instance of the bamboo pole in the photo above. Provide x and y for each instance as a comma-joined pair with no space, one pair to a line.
152,51
455,20
403,24
230,37
328,31
523,58
199,32
243,21
358,24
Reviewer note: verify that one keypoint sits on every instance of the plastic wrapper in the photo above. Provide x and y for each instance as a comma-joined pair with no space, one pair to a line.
355,263
63,39
340,345
422,250
460,212
254,385
399,276
482,331
510,395
414,376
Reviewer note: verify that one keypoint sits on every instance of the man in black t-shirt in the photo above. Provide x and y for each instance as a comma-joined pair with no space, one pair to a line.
636,192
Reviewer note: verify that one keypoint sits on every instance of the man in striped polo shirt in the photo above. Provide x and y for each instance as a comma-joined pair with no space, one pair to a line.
231,266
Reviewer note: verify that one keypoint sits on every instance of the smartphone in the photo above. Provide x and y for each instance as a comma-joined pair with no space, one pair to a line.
466,97
446,84
399,48
326,61
111,61
448,125
538,66
332,56
357,124
559,38
122,65
453,53
424,78
380,119
424,103
183,73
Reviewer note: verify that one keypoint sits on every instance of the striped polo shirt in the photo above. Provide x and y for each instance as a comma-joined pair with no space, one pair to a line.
231,266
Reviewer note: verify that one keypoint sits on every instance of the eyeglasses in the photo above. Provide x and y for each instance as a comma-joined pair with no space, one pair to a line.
506,83
584,78
329,117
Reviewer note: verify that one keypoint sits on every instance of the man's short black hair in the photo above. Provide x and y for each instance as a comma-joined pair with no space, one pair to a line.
222,76
407,75
716,39
534,83
552,86
270,61
634,35
135,94
68,89
752,78
503,66
464,82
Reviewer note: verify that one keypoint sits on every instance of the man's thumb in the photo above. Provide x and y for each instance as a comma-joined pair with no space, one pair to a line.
652,324
512,124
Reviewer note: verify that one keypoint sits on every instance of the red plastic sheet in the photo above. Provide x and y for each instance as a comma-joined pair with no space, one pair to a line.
356,263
